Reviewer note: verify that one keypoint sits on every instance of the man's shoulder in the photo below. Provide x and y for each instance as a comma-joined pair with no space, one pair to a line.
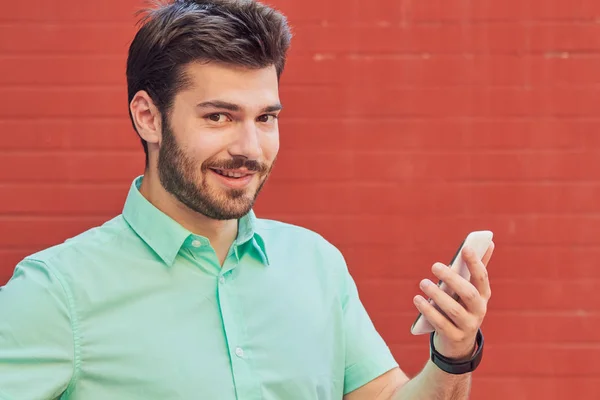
94,240
286,234
286,230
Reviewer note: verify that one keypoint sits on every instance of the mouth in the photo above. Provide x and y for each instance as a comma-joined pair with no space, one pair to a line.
236,179
236,174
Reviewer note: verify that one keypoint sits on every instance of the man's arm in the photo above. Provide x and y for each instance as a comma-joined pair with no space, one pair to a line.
37,353
430,384
454,338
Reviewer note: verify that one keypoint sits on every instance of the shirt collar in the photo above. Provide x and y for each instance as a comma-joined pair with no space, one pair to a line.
247,232
166,236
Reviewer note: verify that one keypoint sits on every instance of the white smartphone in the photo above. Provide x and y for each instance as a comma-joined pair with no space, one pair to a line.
479,241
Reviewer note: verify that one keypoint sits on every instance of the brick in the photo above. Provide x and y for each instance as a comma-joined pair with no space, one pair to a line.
534,387
44,199
313,70
70,134
542,328
410,70
451,11
531,328
60,39
508,295
528,198
516,102
568,102
411,262
541,294
395,166
489,10
460,11
532,70
456,134
553,38
59,102
64,70
360,102
433,198
407,231
483,102
499,38
71,167
567,11
305,11
71,11
558,261
507,361
505,38
563,69
548,360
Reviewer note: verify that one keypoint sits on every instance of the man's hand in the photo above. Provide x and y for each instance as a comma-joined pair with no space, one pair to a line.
456,333
455,336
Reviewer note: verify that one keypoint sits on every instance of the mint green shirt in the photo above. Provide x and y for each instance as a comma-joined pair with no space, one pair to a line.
139,308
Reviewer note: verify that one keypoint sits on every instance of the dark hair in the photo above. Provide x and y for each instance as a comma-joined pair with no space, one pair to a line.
235,32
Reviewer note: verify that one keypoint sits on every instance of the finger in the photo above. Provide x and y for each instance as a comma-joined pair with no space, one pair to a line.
465,290
488,254
440,323
449,307
479,274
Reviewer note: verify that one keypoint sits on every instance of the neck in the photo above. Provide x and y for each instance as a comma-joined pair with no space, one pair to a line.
221,234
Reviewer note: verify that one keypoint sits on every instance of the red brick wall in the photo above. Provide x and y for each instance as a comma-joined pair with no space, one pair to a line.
407,124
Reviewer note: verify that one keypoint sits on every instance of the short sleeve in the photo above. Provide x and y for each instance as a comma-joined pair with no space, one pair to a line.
36,338
367,355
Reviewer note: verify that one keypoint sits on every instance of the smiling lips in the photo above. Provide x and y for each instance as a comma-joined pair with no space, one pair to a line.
234,178
233,173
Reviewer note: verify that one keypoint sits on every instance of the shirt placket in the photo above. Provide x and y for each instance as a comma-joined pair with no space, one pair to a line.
246,385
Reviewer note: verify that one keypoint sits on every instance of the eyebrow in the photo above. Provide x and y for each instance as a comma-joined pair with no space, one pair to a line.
234,107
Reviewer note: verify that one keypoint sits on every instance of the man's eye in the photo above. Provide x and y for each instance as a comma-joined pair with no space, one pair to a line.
267,118
217,117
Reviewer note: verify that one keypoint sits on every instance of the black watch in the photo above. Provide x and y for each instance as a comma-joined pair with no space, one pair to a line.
457,367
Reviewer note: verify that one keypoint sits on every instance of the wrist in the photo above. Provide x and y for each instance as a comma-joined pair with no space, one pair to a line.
454,365
461,356
455,352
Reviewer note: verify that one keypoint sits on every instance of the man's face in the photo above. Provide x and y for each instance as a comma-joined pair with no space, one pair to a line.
221,139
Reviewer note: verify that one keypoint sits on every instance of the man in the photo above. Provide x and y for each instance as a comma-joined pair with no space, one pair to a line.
187,294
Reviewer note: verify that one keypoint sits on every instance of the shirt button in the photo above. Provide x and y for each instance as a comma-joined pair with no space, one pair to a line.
239,352
196,243
222,279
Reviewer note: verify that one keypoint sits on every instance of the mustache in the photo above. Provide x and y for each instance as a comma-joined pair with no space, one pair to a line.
237,163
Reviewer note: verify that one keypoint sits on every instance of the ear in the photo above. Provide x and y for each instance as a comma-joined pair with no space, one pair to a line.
146,118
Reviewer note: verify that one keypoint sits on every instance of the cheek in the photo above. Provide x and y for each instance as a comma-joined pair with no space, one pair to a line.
270,146
204,147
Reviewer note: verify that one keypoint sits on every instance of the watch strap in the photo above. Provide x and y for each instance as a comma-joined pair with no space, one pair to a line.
455,367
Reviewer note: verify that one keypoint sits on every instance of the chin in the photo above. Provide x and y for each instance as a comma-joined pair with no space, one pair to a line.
224,207
229,213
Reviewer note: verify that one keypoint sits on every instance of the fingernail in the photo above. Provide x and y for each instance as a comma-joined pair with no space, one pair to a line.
418,300
437,267
425,283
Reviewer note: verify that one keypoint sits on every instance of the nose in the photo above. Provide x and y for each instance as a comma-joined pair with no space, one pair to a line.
247,142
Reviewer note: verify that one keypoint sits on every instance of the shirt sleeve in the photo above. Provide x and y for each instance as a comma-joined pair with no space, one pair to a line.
36,338
367,355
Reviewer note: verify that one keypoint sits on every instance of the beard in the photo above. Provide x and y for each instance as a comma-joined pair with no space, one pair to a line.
178,175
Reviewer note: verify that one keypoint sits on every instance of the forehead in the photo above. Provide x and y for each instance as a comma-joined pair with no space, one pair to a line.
239,85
